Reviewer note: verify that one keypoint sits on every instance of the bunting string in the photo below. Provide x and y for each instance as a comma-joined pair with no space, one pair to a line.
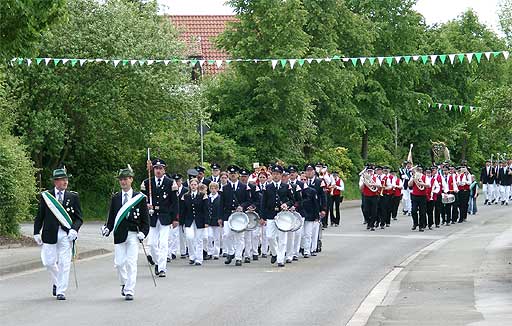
433,59
451,107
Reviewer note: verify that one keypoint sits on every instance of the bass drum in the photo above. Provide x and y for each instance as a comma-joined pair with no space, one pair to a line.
298,221
448,198
254,220
285,221
238,222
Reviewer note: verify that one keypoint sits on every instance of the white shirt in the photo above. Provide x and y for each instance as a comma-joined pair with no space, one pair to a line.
213,196
57,193
161,180
277,184
235,184
130,194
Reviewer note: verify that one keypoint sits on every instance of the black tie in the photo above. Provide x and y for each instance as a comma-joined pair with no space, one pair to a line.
158,183
193,196
234,188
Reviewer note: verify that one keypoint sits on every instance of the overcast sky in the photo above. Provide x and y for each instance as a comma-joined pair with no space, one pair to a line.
435,11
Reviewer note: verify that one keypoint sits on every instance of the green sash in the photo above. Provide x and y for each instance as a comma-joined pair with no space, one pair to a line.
125,210
57,209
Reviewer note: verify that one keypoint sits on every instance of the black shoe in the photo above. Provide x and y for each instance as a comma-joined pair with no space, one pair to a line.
422,230
225,255
238,262
502,202
228,260
273,259
122,290
215,258
150,260
453,222
129,297
161,274
191,262
247,260
368,228
437,226
382,227
280,265
54,290
447,224
306,256
430,227
173,256
372,229
485,202
183,256
388,225
394,218
208,257
61,297
255,257
288,261
168,259
264,256
313,254
414,228
156,270
295,258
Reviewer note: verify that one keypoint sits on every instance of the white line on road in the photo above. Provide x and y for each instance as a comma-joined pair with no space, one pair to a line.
374,235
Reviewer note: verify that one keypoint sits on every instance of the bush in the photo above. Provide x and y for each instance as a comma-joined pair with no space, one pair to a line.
337,159
17,185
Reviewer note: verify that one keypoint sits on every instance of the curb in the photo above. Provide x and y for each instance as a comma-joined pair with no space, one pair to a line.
36,264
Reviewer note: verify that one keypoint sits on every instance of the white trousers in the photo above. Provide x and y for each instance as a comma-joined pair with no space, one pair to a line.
158,241
496,192
252,242
214,240
183,240
126,255
488,189
57,260
308,236
174,241
504,193
406,200
195,238
294,242
276,241
264,240
234,242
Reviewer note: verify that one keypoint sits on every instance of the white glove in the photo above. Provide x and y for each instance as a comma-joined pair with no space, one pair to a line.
140,236
38,240
72,235
105,231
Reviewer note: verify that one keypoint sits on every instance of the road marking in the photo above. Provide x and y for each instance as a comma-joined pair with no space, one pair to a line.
373,235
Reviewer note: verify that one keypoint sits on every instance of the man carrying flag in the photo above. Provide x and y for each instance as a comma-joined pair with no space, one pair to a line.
59,216
129,219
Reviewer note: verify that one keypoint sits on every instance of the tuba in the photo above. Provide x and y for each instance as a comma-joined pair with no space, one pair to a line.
417,180
367,180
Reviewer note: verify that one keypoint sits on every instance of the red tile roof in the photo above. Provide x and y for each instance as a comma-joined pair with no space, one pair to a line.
198,32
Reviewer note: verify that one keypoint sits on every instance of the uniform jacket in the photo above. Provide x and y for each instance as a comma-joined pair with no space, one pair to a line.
310,208
485,177
46,221
164,200
180,193
136,221
214,210
232,199
194,210
273,198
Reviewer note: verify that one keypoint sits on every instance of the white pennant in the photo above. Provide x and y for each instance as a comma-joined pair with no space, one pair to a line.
346,59
469,56
433,58
506,54
415,57
318,60
184,61
99,60
398,58
452,58
64,61
274,63
450,107
132,62
488,55
201,62
363,60
309,60
166,62
439,105
218,63
116,62
327,59
82,61
46,61
292,62
380,59
29,62
471,108
150,62
429,105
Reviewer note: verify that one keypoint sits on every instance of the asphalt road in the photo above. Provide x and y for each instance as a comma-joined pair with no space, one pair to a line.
322,290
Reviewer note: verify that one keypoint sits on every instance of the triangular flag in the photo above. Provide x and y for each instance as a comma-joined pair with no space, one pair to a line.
292,62
346,59
372,60
363,60
46,61
132,62
73,62
29,61
327,59
380,60
116,62
424,59
407,58
506,54
389,60
488,55
461,57
336,57
439,105
496,53
218,63
471,108
450,107
354,61
309,60
442,57
318,60
274,63
99,60
166,62
19,61
301,62
56,61
82,61
125,62
398,58
461,107
38,60
283,62
433,58
211,62
469,56
201,62
64,61
452,58
478,56
150,62
228,61
141,62
415,57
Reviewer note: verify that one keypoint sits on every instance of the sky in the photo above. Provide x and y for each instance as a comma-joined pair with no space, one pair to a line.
435,11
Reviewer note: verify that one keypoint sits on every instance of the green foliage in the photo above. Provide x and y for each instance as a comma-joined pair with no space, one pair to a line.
338,160
17,185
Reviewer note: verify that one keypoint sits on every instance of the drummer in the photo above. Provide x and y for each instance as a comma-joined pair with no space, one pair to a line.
251,237
277,197
235,197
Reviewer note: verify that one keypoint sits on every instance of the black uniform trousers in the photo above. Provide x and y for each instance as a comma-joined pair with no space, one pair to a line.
438,204
463,205
430,212
334,207
370,208
419,206
395,203
386,204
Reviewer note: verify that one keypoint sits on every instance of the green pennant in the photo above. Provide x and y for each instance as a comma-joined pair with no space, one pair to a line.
372,60
444,106
228,62
73,62
193,62
389,60
354,61
125,62
466,108
20,61
38,60
407,58
442,57
211,62
283,62
301,62
478,56
141,62
497,53
56,61
336,57
461,57
424,59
